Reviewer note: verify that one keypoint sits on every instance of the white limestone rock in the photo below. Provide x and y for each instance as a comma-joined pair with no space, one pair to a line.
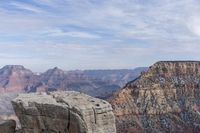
63,112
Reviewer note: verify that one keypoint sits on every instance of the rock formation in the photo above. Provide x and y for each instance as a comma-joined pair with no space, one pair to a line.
6,109
164,99
57,79
63,112
14,78
97,83
7,126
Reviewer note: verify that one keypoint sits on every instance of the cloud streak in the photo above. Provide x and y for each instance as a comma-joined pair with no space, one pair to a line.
75,34
26,7
97,34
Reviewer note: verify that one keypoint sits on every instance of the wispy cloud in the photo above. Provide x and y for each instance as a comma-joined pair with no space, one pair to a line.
78,34
97,34
26,7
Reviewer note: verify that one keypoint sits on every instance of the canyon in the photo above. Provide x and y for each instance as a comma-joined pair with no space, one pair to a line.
164,99
16,79
97,83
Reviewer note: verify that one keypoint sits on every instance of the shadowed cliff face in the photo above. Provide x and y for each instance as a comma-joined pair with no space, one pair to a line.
164,99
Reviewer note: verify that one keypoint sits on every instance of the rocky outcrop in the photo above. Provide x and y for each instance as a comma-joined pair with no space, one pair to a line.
63,112
164,99
7,126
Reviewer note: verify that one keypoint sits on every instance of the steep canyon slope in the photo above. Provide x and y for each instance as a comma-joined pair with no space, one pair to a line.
164,99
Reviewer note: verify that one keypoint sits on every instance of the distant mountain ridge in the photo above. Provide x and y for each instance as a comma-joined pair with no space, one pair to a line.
98,83
14,78
120,76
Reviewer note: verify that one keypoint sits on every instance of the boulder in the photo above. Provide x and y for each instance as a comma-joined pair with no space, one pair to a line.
63,112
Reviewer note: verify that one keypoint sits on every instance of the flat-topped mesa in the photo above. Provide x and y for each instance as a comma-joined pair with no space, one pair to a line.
169,72
63,112
170,68
166,98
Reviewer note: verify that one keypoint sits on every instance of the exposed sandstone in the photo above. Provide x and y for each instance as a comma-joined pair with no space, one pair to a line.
164,99
63,112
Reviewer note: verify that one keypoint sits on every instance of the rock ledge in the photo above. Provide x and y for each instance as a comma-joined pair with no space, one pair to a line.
63,112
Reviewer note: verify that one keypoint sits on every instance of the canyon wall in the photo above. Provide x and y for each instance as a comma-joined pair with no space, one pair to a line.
164,99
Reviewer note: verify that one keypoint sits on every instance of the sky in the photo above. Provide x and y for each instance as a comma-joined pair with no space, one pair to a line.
98,34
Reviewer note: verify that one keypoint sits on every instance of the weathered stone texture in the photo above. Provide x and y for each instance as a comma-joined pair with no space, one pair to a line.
164,99
7,126
63,112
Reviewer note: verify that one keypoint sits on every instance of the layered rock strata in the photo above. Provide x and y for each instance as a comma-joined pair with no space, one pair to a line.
63,112
165,99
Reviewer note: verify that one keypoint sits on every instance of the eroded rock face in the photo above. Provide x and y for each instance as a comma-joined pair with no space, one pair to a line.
7,126
164,99
63,112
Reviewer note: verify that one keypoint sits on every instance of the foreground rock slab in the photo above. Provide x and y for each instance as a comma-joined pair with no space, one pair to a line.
63,112
7,126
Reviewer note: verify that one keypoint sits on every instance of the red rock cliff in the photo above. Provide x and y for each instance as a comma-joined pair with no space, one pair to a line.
164,99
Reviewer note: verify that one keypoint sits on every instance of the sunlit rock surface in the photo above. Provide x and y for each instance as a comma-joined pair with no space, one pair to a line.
165,99
63,112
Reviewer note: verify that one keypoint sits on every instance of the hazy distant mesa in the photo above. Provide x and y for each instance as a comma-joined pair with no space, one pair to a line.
98,83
